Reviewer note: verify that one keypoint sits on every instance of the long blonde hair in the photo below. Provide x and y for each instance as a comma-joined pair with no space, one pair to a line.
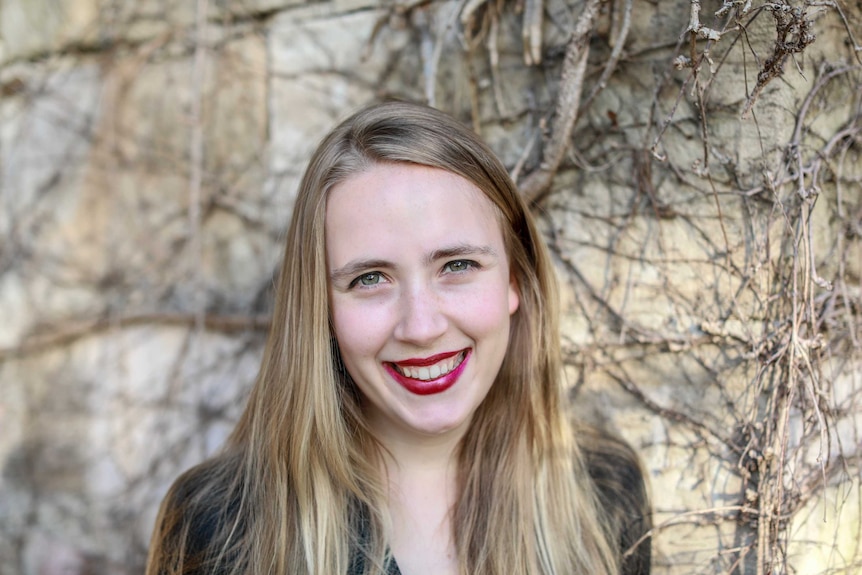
297,488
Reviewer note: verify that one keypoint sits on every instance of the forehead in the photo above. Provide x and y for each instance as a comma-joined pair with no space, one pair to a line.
408,203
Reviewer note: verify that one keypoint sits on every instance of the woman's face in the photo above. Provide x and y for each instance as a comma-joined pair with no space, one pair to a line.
420,294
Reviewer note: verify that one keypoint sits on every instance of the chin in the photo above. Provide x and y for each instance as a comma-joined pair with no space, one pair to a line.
440,426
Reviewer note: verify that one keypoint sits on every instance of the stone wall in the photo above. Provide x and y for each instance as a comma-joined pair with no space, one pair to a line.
710,262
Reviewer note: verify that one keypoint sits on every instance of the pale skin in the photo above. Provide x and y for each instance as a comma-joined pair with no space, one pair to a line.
422,491
418,271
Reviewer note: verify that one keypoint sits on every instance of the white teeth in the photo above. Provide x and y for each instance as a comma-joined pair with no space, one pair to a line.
434,371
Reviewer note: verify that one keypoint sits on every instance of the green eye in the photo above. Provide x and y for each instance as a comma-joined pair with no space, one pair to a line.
369,279
458,266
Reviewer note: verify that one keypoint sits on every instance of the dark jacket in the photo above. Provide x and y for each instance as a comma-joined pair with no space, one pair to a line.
612,465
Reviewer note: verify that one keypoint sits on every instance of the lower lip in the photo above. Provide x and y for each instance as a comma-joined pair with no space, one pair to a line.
432,386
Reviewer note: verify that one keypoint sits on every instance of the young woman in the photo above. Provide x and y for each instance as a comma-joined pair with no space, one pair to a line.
408,416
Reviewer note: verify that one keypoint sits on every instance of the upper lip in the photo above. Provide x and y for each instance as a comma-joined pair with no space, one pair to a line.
425,361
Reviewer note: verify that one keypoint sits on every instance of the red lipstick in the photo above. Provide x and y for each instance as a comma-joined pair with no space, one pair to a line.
422,362
431,386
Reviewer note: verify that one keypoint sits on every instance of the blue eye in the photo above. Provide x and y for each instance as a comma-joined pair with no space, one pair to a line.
459,266
369,279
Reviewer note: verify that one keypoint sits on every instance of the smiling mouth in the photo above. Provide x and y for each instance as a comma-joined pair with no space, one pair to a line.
430,372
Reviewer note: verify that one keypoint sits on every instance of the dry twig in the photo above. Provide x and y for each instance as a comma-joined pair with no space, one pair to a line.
537,184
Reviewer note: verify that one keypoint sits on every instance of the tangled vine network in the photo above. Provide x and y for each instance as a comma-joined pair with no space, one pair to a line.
696,168
783,339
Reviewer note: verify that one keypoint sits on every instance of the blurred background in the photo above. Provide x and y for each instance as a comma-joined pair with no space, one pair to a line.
696,167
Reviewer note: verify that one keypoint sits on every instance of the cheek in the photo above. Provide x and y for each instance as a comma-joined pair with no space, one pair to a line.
359,333
488,314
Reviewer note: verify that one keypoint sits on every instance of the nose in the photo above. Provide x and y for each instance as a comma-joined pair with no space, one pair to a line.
421,320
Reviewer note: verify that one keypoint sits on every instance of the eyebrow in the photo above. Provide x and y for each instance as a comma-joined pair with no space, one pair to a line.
460,250
355,267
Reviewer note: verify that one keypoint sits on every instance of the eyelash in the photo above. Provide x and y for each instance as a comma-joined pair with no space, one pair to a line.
357,282
470,264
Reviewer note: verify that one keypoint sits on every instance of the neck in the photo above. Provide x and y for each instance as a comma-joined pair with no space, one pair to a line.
406,453
422,489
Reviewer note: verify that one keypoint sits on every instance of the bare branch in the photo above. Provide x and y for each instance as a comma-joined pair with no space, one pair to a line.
538,182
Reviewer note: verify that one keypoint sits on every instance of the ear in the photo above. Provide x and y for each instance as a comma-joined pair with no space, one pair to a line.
514,294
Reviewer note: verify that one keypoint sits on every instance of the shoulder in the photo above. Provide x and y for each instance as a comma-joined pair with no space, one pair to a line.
196,515
621,487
